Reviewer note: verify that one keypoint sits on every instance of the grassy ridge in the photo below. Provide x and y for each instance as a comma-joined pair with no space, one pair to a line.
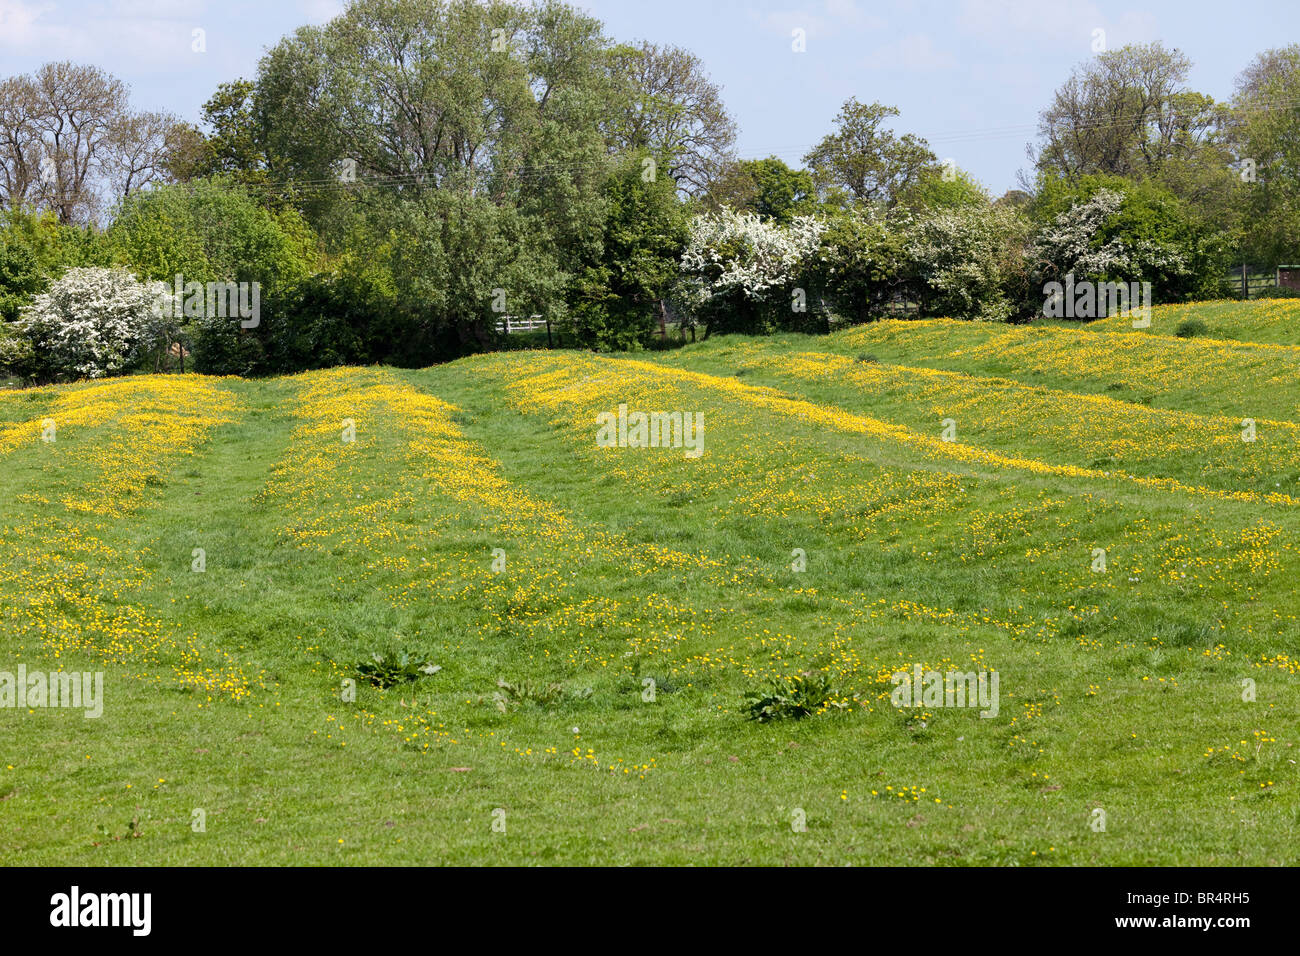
1193,375
1120,690
1264,321
1183,451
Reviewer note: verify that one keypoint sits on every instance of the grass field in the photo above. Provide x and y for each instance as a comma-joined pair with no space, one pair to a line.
476,523
1267,321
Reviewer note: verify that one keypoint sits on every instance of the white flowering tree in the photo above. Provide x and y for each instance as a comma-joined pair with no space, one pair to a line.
741,268
964,261
1069,242
92,322
1092,241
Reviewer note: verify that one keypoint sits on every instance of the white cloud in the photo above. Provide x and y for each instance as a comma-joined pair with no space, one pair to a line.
1066,22
320,11
914,53
829,18
20,23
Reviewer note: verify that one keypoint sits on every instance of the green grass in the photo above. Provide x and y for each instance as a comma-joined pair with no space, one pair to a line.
623,565
1264,320
1202,375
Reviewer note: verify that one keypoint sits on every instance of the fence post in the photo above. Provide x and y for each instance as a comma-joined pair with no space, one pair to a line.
1245,286
548,334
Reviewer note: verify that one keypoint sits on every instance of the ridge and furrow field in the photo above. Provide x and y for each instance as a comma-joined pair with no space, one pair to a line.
627,598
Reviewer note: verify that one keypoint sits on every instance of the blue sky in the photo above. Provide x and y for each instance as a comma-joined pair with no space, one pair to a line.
968,75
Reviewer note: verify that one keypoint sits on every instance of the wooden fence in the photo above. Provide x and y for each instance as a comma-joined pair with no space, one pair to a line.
513,323
1251,281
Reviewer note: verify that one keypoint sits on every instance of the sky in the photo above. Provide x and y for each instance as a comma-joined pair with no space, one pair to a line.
970,76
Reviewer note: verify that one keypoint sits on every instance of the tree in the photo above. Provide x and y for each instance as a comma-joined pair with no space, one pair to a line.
860,266
1109,229
1266,132
563,166
766,187
942,187
233,147
20,277
484,117
1128,112
964,262
91,323
617,292
185,153
75,110
668,106
468,263
35,249
349,316
416,94
213,231
863,162
67,136
745,271
20,142
413,95
1015,199
139,151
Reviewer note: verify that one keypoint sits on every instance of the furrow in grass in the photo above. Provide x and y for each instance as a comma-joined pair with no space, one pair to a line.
378,472
331,483
948,453
779,463
578,600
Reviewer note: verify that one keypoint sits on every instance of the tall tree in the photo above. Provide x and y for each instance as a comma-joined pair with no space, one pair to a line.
233,145
863,162
669,107
75,111
1128,112
139,151
1266,134
618,293
484,116
412,94
70,143
20,142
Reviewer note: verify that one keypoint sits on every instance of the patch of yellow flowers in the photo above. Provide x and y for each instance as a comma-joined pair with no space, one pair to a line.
64,588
